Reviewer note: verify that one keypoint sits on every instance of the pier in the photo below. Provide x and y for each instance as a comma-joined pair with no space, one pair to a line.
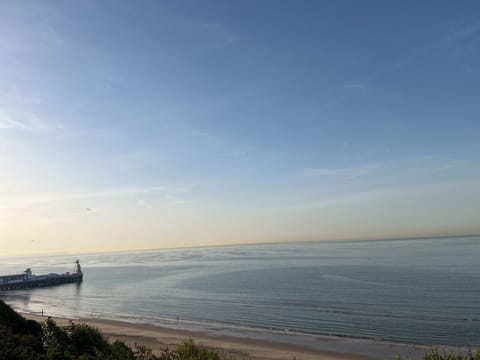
27,280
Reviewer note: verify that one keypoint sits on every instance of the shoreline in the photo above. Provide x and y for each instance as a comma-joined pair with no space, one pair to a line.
249,345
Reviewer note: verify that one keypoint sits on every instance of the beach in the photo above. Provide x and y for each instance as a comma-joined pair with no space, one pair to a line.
324,348
378,291
279,300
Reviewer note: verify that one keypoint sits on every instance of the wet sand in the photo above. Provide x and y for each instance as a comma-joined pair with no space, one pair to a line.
243,348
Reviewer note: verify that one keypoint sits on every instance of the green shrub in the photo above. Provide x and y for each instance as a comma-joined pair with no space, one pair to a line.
22,339
435,354
188,350
86,341
18,346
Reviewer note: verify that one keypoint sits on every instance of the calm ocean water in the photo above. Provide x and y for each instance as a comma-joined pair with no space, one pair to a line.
418,291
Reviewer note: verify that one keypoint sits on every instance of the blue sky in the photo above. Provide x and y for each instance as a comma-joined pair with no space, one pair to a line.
180,123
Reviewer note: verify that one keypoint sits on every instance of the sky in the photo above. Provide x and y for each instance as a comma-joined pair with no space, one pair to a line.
159,124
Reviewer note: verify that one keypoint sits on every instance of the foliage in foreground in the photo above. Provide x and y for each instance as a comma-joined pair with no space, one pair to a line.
435,354
22,339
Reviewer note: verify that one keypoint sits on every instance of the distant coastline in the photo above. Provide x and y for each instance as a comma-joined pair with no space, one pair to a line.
426,237
79,254
469,235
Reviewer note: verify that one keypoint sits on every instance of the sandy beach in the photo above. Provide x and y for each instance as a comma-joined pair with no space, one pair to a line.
159,338
240,348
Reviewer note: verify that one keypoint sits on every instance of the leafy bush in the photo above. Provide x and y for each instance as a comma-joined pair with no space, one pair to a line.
14,346
22,339
435,354
190,351
19,325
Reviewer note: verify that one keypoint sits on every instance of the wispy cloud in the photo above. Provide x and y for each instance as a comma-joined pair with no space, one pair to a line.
220,31
61,207
169,194
356,86
414,171
460,33
11,124
23,120
399,192
345,173
453,36
14,95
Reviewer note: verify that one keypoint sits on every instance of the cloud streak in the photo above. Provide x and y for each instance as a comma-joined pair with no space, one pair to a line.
345,173
356,86
452,37
26,121
167,193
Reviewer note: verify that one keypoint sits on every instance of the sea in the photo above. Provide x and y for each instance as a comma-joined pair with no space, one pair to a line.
416,291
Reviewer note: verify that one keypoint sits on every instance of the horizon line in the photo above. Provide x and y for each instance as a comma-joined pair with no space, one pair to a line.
424,237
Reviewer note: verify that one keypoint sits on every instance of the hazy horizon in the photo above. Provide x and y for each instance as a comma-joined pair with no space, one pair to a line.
180,124
75,253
